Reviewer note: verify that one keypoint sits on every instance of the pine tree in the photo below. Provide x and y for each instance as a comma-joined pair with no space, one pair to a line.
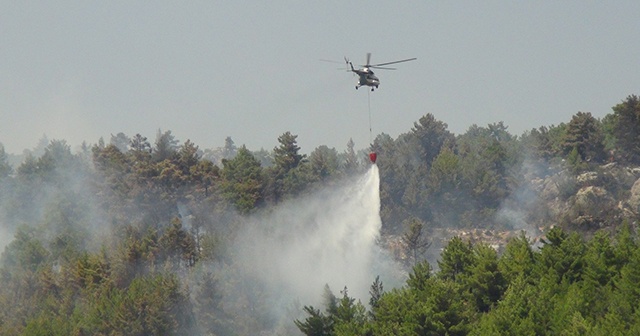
288,175
431,134
415,240
5,167
517,258
376,291
324,163
418,278
456,259
243,181
627,128
584,134
485,282
286,155
350,163
165,146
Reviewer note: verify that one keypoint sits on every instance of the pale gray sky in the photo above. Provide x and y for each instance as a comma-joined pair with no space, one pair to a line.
81,70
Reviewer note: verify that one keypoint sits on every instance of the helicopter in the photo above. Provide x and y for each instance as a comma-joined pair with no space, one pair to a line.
366,75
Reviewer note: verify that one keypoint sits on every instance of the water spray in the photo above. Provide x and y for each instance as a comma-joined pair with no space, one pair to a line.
328,237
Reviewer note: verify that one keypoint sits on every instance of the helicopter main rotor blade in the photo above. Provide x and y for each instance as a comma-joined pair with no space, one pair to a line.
368,59
394,62
330,61
336,62
377,67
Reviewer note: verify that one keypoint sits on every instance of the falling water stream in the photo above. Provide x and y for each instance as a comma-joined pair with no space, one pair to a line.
328,237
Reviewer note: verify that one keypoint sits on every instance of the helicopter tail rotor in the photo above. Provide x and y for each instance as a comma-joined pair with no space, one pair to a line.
349,65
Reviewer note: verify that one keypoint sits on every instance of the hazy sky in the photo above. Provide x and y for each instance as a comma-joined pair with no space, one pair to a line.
81,70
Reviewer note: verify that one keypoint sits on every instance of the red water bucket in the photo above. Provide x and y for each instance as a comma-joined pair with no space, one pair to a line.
373,157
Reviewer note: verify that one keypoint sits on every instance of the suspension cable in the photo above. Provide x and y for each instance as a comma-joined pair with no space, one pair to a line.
370,129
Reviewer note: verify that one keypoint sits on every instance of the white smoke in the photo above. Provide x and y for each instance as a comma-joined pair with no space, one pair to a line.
325,238
516,211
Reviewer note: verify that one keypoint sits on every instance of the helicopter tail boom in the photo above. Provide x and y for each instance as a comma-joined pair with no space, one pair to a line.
346,60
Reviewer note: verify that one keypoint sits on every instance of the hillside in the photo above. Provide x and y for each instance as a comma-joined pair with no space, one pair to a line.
129,237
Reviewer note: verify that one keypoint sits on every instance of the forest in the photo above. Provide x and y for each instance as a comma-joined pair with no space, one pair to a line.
130,236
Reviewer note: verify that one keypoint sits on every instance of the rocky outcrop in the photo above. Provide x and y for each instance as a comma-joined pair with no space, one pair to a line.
634,198
589,200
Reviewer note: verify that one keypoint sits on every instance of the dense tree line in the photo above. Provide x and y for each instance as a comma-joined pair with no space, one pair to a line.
462,181
118,237
565,286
